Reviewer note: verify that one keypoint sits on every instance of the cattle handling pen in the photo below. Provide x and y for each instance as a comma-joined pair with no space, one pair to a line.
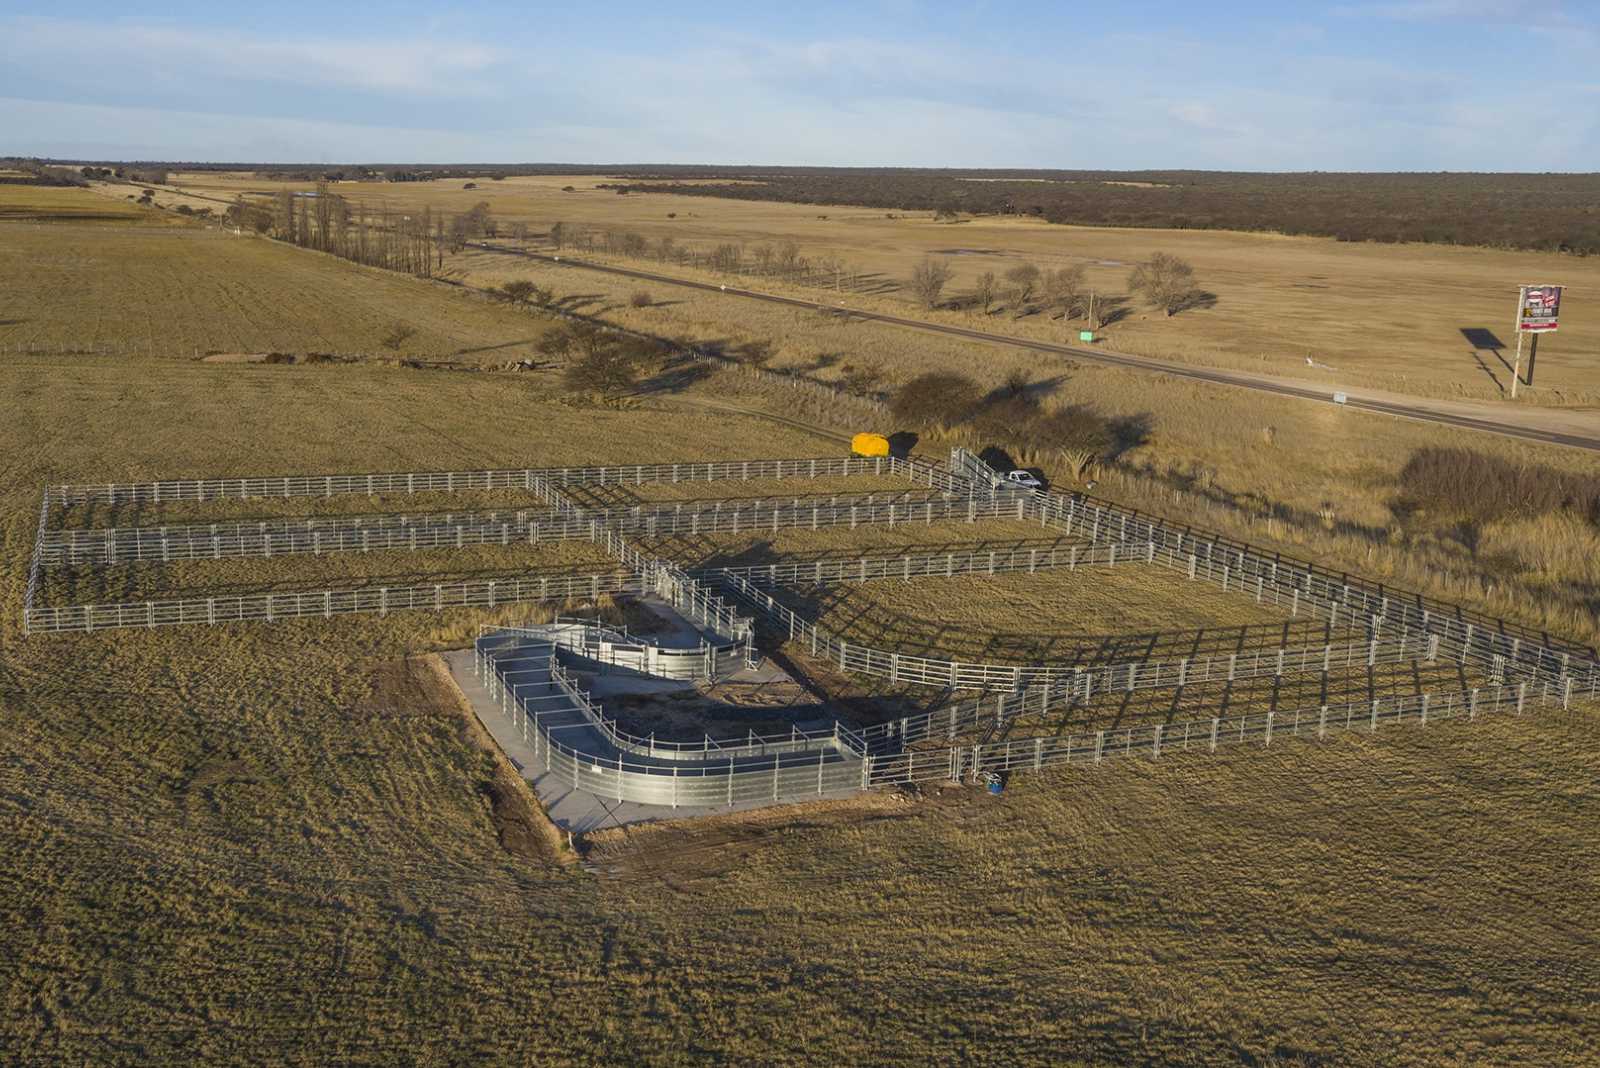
1323,651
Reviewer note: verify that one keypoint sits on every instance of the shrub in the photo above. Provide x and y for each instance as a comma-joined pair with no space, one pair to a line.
521,291
939,400
641,299
606,372
1460,483
397,336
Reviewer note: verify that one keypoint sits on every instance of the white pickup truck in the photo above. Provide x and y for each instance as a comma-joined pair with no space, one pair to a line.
1019,479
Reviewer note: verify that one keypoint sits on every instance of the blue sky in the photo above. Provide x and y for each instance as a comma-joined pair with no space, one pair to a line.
1405,85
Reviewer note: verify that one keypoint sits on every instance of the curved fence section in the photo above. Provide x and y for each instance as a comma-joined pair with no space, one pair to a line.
578,745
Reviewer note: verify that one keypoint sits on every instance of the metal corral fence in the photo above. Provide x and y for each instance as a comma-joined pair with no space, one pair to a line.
1082,681
1025,557
522,478
1300,586
373,533
275,607
1272,578
822,768
314,536
795,775
689,596
614,647
500,652
1152,740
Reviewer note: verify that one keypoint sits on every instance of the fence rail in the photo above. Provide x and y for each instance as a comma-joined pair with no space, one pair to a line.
1081,681
273,607
376,533
521,478
1036,753
1299,586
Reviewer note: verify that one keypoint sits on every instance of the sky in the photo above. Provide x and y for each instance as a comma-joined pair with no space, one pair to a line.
1424,85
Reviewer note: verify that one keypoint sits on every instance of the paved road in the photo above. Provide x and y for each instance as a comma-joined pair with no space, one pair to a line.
1406,409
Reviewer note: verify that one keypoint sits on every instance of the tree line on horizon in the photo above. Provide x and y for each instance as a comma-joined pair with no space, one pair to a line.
1548,212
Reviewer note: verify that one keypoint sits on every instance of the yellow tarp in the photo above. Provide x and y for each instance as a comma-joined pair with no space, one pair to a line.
869,445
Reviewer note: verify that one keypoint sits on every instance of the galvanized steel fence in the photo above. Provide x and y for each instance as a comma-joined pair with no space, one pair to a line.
1153,740
274,607
521,478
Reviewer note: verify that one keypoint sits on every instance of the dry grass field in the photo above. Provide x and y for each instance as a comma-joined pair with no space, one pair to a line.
1383,316
1022,618
284,844
1314,479
147,286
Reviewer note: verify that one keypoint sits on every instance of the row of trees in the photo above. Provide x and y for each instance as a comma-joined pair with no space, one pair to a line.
1165,282
324,220
1543,211
782,260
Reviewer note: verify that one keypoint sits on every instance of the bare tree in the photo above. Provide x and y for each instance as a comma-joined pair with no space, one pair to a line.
558,236
788,259
928,280
1165,281
764,254
1066,289
984,290
1024,278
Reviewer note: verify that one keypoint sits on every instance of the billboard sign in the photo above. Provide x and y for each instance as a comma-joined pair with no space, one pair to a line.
1539,309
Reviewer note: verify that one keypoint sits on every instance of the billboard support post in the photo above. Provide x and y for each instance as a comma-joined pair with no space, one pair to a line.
1516,368
1538,312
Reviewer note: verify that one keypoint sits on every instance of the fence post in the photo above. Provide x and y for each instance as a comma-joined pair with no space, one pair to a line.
1322,722
1099,744
1156,745
1213,734
1270,717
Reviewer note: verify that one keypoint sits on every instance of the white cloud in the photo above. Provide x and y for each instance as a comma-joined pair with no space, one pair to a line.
412,65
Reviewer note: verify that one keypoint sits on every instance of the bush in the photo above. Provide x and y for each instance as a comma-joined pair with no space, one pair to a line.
521,291
938,400
1462,484
605,372
641,299
397,336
